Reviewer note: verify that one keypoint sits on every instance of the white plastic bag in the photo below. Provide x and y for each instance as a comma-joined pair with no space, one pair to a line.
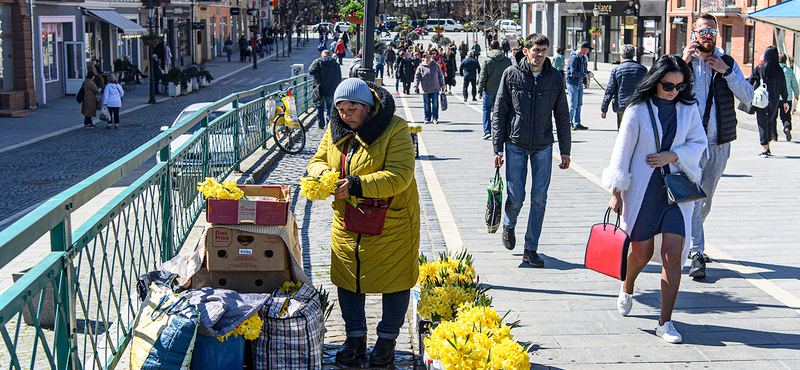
104,114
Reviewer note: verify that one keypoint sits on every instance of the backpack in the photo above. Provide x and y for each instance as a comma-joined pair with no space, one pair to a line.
761,96
79,96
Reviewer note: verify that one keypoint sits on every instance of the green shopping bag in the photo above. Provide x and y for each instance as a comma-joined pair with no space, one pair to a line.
494,203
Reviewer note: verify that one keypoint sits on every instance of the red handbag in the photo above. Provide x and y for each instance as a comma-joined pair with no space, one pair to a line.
607,249
370,219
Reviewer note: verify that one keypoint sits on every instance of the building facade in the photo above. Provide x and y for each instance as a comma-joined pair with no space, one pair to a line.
17,90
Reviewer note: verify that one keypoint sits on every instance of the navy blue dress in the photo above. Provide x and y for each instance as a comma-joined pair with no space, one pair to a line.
656,214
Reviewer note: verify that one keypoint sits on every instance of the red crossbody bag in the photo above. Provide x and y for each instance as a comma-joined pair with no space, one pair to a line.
368,221
607,249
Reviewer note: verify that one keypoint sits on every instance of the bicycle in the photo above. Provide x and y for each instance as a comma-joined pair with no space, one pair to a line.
287,131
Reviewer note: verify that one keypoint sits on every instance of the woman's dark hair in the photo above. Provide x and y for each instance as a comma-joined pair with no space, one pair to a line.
646,88
771,66
782,58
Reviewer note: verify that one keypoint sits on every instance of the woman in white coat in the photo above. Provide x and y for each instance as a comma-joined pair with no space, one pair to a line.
112,99
638,188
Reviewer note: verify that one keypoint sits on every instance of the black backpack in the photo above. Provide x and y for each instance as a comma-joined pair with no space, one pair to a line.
79,96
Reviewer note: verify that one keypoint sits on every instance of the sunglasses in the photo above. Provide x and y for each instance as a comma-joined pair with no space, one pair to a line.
669,86
707,31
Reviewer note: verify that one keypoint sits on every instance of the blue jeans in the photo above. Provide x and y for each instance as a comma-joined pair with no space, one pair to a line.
516,174
488,105
394,306
324,106
379,71
575,101
431,105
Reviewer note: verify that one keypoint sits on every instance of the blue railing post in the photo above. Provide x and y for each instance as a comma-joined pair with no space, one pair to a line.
264,120
236,124
305,93
204,168
64,305
165,193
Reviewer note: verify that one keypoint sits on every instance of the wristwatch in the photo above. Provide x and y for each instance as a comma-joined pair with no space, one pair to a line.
727,72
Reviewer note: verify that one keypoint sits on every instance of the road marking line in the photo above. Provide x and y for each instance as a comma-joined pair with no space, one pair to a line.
447,222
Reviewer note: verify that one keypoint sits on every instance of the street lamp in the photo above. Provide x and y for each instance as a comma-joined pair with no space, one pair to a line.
253,54
150,12
596,13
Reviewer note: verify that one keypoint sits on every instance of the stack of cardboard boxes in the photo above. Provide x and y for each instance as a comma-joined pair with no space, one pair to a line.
245,251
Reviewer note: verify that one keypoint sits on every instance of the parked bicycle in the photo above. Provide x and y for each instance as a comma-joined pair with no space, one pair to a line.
288,132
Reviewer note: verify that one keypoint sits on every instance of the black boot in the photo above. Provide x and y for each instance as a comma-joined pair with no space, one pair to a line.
352,351
509,238
382,353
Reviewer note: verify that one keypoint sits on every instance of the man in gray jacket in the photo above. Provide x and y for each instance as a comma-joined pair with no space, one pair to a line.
327,75
622,83
489,80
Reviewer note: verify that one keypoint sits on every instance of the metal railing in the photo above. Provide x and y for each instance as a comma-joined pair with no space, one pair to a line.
87,282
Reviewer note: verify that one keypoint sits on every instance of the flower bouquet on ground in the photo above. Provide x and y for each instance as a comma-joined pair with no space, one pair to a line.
211,188
445,285
320,188
477,339
249,329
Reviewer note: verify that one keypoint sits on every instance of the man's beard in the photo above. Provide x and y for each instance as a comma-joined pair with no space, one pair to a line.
704,49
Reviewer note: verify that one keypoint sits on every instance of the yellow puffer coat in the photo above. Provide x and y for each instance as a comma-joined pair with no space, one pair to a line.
384,167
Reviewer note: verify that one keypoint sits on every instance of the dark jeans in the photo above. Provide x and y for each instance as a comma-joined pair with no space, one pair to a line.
87,120
113,113
786,117
467,83
767,120
394,307
324,106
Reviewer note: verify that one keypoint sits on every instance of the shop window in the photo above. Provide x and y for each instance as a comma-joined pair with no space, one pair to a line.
51,35
615,37
6,61
727,36
749,36
574,32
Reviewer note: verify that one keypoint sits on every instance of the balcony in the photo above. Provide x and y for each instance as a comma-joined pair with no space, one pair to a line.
720,7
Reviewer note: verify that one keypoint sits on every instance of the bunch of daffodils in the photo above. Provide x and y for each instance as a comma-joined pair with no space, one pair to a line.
449,269
415,129
477,340
211,188
290,288
319,188
249,328
446,284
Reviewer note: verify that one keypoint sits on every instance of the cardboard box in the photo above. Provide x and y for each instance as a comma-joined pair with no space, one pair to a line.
252,211
230,249
241,281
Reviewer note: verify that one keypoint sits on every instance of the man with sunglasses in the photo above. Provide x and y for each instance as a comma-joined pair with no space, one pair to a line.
717,79
530,95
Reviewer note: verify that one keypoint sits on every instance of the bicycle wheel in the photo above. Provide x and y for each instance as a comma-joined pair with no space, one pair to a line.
290,138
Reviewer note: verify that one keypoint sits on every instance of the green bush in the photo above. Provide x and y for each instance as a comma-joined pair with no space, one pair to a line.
413,36
174,75
398,29
379,45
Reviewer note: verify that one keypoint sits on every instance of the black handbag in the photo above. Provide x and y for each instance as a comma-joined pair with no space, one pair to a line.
679,187
315,96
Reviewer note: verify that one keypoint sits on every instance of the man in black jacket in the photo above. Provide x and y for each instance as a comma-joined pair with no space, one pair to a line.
622,83
531,94
389,57
469,70
327,76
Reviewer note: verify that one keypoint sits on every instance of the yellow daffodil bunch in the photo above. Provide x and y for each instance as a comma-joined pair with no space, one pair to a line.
211,188
249,328
319,188
446,284
476,340
290,288
451,270
439,303
415,129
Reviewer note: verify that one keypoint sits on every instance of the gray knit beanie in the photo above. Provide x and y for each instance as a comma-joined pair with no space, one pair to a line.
354,90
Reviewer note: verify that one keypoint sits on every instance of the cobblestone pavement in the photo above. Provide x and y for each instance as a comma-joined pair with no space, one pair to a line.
314,221
36,172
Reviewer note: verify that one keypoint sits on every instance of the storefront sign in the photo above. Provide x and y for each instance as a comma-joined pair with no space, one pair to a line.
678,20
649,23
630,23
539,7
649,44
604,8
235,11
616,8
177,12
514,7
198,26
277,11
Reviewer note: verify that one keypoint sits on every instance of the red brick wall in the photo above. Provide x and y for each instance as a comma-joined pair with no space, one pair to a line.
22,54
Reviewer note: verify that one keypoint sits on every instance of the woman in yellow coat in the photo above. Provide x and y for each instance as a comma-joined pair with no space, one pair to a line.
379,164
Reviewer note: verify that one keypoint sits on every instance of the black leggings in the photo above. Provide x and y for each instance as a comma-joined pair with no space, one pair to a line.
468,82
767,120
406,87
786,117
113,113
87,120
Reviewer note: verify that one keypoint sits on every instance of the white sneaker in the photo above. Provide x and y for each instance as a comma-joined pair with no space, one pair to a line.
624,303
668,333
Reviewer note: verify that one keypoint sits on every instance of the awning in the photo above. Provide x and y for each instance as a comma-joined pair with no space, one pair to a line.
116,19
784,15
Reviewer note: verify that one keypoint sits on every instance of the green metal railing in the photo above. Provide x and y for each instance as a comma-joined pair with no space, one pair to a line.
88,278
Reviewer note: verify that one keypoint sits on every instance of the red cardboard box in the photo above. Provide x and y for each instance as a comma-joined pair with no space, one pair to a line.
242,281
230,249
251,211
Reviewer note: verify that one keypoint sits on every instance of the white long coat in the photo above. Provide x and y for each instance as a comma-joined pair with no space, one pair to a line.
629,173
